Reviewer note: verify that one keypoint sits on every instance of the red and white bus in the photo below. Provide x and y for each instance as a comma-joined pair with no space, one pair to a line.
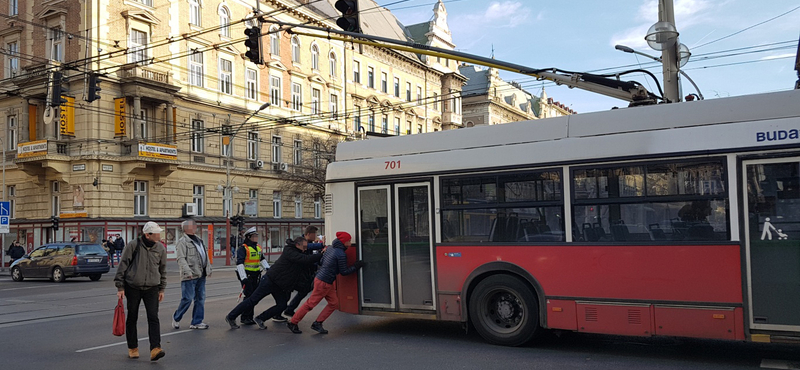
668,220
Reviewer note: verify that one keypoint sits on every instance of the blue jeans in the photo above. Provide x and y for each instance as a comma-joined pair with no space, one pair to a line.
192,290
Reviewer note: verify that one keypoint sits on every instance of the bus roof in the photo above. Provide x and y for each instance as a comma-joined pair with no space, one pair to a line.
689,126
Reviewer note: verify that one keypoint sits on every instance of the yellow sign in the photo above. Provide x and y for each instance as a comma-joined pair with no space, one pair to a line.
162,151
66,124
73,214
32,149
119,117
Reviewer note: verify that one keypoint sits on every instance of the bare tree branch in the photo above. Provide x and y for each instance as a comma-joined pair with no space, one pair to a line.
308,178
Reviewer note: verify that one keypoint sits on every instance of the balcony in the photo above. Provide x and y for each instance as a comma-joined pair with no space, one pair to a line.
145,74
147,83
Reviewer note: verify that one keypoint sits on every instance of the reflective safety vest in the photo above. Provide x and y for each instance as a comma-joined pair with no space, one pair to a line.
252,260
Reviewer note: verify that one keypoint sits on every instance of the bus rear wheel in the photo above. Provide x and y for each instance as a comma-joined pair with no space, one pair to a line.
504,310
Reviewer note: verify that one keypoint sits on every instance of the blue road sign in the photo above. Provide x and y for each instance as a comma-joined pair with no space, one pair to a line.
5,208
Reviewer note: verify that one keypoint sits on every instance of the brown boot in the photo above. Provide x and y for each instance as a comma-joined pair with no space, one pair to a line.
156,353
133,353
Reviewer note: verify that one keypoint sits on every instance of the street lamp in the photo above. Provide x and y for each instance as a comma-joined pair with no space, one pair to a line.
684,55
663,36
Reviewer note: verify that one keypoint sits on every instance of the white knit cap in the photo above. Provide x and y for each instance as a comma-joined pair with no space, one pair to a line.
152,228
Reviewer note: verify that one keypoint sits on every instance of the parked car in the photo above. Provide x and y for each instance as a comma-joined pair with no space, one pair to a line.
58,261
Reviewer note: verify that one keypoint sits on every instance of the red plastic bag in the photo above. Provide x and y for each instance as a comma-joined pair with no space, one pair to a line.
119,319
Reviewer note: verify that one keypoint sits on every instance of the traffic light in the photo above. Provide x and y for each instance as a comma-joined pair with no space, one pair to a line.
56,90
54,219
252,43
349,19
94,88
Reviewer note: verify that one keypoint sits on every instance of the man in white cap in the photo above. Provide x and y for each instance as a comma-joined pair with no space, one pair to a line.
249,263
142,276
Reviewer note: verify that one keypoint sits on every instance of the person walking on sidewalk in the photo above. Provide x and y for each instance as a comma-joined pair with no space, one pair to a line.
249,263
305,282
334,262
279,281
15,251
142,276
194,267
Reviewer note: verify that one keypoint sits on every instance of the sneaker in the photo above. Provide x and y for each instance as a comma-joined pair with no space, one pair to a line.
288,313
293,328
280,318
248,322
156,353
176,324
133,353
260,323
200,326
231,322
317,326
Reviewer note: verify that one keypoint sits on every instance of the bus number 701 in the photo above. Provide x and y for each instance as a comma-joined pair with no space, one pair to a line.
392,165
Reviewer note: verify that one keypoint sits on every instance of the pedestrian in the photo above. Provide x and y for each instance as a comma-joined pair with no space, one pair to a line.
142,276
249,263
194,268
334,262
279,281
119,245
108,246
15,251
305,283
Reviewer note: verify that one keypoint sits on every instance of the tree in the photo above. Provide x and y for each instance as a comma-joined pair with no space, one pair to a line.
308,178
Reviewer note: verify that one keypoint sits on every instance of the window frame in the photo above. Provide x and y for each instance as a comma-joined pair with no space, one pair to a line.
195,13
224,22
356,71
198,198
11,132
276,149
297,153
315,57
12,64
298,206
277,204
140,195
197,136
297,97
252,145
196,68
251,84
371,77
275,90
295,42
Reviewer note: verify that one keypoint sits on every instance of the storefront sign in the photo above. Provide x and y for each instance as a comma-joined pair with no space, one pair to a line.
79,167
119,118
73,214
162,151
32,149
66,123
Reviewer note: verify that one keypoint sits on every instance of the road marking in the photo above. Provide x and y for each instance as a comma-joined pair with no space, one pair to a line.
779,364
28,287
121,343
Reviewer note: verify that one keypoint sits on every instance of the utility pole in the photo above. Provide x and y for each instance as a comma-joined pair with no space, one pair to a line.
797,67
669,56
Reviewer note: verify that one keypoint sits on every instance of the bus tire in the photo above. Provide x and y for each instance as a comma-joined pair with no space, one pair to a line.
504,310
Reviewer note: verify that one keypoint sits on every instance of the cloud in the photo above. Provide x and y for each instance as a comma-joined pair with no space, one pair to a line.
687,14
506,14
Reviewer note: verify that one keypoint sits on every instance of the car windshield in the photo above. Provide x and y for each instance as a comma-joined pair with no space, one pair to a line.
90,249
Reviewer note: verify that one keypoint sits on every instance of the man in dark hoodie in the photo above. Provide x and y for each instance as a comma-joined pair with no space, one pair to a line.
279,281
334,263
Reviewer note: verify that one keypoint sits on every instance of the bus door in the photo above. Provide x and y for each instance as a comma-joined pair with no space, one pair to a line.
772,241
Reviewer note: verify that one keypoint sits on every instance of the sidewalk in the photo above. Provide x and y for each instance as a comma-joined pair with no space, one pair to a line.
218,264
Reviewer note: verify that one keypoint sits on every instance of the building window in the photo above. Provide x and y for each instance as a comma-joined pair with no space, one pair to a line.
356,72
385,124
224,22
146,2
138,46
397,87
143,119
140,198
334,108
276,204
11,192
357,120
408,91
225,76
408,128
315,57
435,101
198,196
317,207
298,206
456,103
56,44
276,149
197,137
297,97
371,121
226,148
252,146
317,156
397,125
251,84
419,95
11,141
13,59
13,7
298,153
315,95
371,77
419,128
253,196
333,65
194,13
275,91
274,41
295,49
196,68
384,83
55,192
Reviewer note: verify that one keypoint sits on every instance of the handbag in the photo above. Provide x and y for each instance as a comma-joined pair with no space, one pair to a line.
119,319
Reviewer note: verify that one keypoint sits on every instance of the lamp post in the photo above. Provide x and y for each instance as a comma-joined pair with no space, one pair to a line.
683,58
227,191
663,36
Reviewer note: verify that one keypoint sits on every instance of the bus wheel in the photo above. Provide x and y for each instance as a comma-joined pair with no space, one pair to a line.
504,311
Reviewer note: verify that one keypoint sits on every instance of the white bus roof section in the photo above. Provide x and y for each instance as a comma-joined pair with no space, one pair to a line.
715,124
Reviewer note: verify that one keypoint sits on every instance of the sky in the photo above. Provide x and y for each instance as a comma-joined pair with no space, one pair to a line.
580,35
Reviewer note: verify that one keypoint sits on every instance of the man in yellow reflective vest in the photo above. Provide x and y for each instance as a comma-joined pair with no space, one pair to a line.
249,263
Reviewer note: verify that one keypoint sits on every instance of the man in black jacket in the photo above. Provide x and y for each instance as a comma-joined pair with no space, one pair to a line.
306,283
279,281
15,251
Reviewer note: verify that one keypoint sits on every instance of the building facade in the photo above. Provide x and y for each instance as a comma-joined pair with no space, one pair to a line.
174,133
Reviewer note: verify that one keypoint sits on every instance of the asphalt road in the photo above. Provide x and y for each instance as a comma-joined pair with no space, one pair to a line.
68,326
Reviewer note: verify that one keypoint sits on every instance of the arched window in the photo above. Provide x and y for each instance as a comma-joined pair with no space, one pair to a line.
295,49
274,41
332,61
194,13
225,21
315,57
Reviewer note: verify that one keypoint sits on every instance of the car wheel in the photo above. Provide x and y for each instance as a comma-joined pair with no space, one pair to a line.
95,277
504,310
16,274
58,274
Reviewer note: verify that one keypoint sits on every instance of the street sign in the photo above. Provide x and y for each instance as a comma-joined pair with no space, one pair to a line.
5,217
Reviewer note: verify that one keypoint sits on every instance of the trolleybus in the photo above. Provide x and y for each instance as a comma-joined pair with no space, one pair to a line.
667,220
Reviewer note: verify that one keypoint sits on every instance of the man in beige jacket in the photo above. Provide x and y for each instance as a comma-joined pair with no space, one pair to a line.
195,267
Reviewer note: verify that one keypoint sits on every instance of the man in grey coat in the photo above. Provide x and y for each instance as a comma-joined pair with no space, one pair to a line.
194,266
